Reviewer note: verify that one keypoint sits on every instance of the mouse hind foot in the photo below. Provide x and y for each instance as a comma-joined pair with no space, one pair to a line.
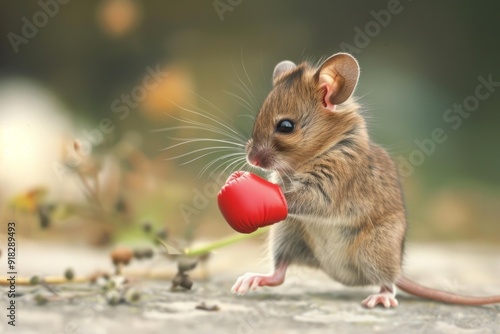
386,297
251,281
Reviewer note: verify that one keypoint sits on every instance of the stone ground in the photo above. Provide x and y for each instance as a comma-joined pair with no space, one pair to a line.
308,302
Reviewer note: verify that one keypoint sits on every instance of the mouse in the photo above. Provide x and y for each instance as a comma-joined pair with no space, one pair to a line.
346,209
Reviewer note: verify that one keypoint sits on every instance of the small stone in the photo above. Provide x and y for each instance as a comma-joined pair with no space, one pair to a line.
205,307
177,280
186,264
186,282
182,280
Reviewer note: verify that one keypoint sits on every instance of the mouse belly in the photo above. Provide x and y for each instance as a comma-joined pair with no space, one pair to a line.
331,247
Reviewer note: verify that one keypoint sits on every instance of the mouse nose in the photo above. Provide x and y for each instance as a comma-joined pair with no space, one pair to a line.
253,161
253,158
260,158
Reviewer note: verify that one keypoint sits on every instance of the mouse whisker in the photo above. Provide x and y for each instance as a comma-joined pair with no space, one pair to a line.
210,164
234,162
230,132
186,141
213,119
229,163
244,88
245,70
202,156
247,116
239,162
210,104
243,166
201,128
238,132
241,101
211,148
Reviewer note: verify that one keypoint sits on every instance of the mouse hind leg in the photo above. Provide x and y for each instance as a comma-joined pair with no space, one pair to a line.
380,258
287,247
386,297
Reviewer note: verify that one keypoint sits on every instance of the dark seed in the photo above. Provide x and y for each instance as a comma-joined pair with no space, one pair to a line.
69,274
34,280
147,227
41,300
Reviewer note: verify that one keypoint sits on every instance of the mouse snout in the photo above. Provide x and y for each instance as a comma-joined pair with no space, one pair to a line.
260,158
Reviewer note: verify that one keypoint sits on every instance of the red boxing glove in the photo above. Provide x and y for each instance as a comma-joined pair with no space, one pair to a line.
248,202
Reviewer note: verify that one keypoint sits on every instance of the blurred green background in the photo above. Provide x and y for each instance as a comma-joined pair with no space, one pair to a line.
66,68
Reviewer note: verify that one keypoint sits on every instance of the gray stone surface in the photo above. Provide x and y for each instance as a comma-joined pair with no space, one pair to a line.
308,302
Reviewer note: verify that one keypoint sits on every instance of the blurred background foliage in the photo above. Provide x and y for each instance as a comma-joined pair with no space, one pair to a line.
68,82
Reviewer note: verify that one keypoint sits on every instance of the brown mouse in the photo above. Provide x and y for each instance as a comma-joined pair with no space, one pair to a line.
346,210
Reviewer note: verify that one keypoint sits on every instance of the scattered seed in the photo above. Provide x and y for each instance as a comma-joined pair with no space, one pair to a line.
44,217
148,253
41,300
121,205
69,274
147,227
204,257
143,253
76,145
113,297
98,275
162,235
35,280
138,254
133,296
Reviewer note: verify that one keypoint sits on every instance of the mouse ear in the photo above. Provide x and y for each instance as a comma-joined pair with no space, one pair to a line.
281,68
337,76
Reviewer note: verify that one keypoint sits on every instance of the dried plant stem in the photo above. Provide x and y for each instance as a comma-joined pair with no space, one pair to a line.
223,242
47,280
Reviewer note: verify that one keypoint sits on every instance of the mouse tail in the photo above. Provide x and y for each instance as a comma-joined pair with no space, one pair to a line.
418,290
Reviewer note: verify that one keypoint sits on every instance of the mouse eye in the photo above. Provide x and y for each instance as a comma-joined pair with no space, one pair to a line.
285,126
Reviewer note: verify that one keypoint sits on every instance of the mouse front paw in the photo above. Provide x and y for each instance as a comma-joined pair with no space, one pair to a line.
251,281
